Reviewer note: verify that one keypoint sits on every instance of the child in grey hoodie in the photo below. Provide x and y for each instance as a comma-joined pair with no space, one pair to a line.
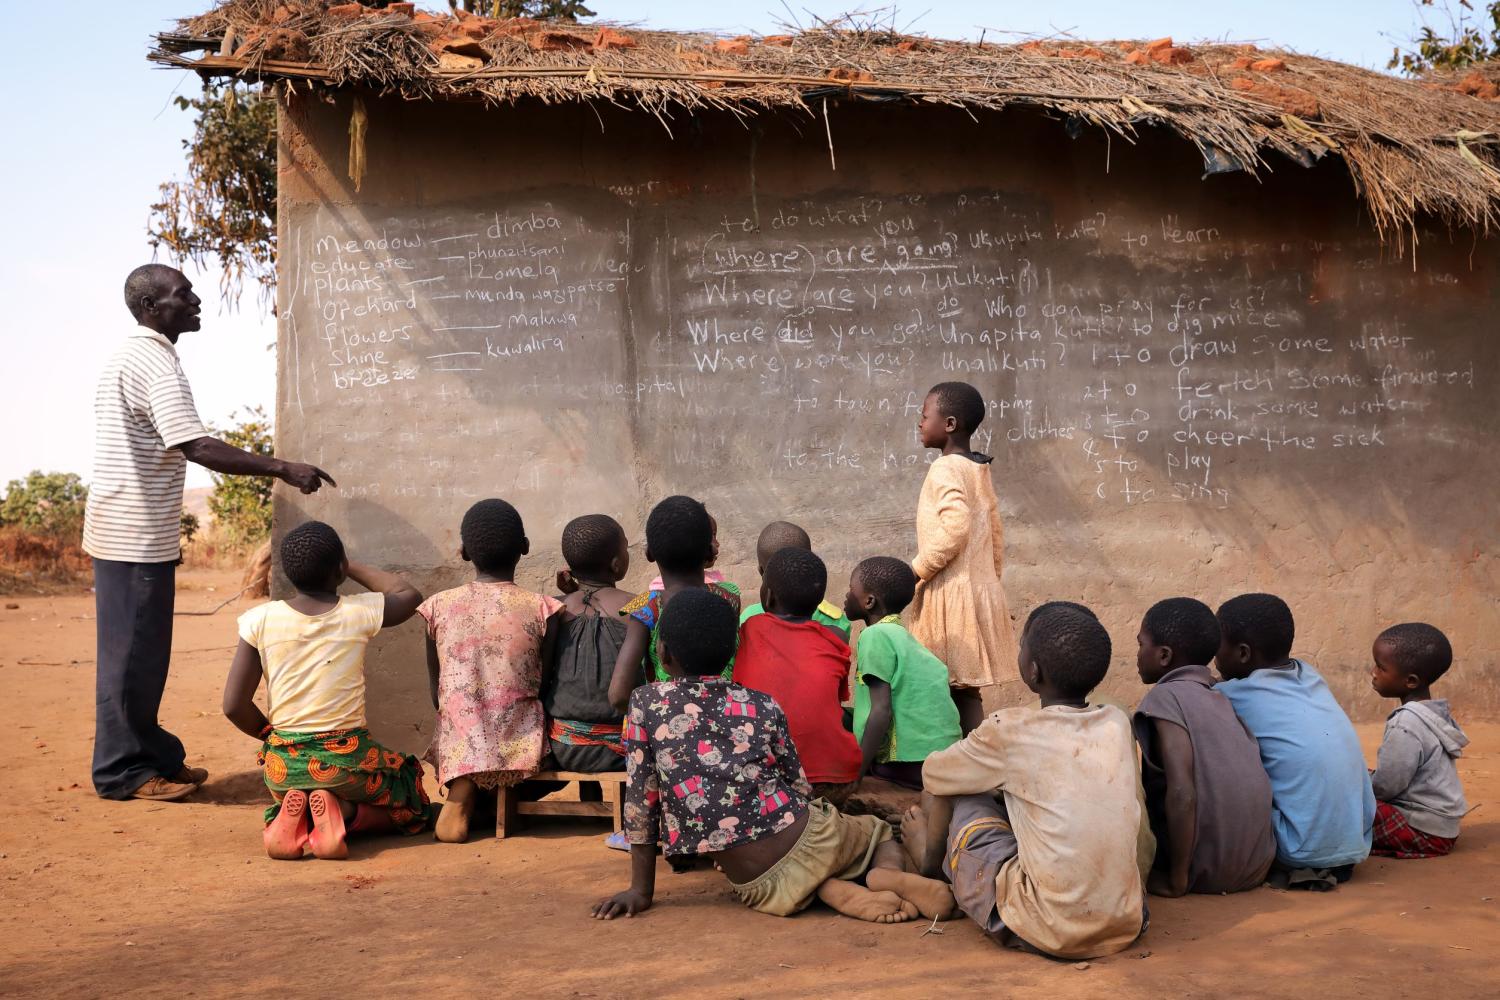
1419,797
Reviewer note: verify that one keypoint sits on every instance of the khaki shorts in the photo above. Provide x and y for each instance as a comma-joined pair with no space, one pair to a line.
832,845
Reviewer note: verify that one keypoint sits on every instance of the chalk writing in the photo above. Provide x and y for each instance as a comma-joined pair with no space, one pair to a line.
796,338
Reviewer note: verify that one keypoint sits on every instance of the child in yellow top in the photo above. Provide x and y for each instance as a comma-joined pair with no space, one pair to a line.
328,775
959,611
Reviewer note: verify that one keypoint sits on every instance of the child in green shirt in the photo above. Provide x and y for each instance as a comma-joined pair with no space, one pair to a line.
903,710
780,535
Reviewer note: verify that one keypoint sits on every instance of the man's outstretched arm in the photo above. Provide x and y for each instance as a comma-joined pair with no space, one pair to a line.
211,453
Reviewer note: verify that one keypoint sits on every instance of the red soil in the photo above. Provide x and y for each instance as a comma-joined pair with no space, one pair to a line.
141,899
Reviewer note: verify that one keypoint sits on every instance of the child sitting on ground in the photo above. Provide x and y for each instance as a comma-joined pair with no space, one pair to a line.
484,659
1053,865
329,777
1145,845
680,540
1419,799
804,665
780,535
713,771
1207,796
959,611
584,727
1322,808
903,710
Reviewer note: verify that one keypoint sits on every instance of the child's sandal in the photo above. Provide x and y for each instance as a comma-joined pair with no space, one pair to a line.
286,835
328,836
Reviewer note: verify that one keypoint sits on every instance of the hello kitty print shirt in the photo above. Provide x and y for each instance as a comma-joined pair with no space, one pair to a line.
709,764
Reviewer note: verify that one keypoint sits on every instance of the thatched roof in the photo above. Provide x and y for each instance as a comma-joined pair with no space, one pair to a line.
1412,147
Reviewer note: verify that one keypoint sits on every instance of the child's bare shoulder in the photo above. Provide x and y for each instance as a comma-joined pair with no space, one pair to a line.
608,602
612,599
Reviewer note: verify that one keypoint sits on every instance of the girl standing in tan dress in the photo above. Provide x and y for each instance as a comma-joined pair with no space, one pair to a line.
959,611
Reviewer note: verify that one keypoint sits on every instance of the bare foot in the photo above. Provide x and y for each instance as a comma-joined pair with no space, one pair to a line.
933,898
925,851
458,809
453,823
909,911
856,901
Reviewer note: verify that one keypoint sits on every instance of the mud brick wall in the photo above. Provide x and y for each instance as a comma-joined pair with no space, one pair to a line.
1197,386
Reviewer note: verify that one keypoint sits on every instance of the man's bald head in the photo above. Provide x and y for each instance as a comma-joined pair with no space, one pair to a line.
776,536
161,298
149,281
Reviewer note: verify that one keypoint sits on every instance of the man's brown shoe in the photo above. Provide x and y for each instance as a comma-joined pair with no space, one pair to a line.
160,789
191,775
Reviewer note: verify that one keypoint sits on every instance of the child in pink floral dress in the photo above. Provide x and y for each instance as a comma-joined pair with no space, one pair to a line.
484,656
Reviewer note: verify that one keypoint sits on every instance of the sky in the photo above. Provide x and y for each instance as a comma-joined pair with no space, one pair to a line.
92,132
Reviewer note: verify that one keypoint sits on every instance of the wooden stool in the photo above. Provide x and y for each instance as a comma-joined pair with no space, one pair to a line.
509,807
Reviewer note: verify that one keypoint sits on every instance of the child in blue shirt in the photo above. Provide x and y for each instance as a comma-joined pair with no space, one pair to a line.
1322,807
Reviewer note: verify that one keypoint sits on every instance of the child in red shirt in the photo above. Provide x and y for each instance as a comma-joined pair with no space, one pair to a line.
804,665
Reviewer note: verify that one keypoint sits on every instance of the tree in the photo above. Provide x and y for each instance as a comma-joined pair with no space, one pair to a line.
225,209
241,505
187,526
1469,38
48,503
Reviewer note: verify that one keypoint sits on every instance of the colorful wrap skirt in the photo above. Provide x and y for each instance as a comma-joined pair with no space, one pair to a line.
351,765
587,734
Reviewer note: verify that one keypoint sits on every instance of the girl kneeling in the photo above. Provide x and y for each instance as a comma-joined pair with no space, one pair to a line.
329,776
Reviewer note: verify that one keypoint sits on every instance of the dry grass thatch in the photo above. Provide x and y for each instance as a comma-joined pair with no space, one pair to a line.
1413,148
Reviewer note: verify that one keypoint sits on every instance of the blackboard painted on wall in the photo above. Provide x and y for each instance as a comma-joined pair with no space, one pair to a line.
785,348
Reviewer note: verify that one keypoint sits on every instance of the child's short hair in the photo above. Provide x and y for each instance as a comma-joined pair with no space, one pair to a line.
799,579
891,580
310,554
1186,626
493,535
1049,605
1419,648
1071,647
699,630
679,534
780,535
1261,621
590,542
962,402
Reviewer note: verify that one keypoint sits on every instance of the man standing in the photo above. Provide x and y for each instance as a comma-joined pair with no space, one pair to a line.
147,429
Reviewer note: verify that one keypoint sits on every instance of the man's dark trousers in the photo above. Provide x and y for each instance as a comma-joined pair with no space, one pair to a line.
133,608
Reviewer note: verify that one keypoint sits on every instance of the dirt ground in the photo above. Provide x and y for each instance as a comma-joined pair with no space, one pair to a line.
139,899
